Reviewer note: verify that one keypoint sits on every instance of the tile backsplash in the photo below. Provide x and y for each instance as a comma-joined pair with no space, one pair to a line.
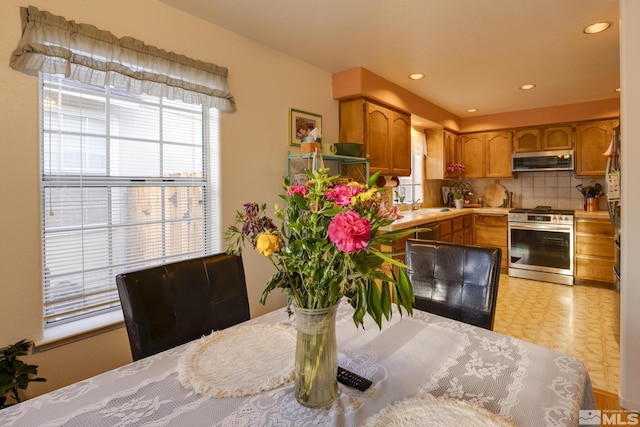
531,189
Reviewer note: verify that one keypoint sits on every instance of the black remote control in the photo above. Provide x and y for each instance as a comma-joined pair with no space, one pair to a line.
353,380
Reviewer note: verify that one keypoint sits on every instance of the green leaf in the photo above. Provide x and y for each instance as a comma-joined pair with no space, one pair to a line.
372,179
385,301
373,302
360,305
300,201
405,291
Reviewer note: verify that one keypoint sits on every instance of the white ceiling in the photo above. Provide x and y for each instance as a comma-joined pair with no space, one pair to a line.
475,53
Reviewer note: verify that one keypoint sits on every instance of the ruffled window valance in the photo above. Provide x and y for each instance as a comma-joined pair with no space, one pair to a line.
82,52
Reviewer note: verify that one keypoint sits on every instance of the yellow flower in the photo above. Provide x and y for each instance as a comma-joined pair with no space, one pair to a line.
364,196
266,244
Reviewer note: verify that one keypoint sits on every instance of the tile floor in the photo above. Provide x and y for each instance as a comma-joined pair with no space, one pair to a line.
577,320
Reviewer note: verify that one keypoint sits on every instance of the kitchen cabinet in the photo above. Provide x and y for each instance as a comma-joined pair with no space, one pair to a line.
557,138
527,140
385,133
492,230
543,138
498,155
468,230
457,230
443,149
472,147
593,139
594,249
487,154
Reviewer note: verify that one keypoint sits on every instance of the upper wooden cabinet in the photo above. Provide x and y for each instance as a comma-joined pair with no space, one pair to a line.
385,133
593,139
498,155
443,149
472,147
557,138
543,138
527,140
486,154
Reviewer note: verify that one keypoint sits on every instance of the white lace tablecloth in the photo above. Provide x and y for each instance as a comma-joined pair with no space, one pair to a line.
411,358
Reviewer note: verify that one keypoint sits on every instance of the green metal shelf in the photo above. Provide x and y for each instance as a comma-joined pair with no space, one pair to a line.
311,161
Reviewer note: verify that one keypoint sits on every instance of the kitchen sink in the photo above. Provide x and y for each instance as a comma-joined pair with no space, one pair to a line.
432,210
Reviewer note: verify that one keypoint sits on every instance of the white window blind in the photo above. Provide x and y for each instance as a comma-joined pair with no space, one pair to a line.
126,183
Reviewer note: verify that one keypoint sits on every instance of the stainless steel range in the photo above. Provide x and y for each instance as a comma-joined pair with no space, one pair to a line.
541,244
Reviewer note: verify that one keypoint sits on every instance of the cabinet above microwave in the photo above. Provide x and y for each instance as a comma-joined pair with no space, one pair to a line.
556,160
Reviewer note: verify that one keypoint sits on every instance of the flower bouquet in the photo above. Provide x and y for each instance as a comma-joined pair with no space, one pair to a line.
328,247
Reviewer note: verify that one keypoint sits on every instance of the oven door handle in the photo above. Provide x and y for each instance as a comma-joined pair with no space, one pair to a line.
539,227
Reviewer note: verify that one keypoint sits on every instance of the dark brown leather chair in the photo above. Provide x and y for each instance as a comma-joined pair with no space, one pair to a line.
455,281
175,303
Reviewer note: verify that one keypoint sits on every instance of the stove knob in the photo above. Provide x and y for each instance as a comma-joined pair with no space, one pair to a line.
555,219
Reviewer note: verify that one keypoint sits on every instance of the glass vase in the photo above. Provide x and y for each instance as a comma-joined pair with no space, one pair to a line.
316,364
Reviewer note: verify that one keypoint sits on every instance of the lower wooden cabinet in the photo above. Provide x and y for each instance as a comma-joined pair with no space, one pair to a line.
594,249
491,230
457,230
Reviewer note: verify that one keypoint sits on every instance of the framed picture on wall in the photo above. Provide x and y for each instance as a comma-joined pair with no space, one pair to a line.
301,123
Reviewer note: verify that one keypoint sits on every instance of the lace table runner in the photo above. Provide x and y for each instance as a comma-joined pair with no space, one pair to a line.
437,412
240,361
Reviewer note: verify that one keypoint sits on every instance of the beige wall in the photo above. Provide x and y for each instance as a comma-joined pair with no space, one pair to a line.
265,83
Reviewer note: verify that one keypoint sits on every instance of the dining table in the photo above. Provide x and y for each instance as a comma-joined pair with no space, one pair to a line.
422,367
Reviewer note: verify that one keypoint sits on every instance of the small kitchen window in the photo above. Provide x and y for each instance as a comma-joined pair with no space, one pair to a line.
410,188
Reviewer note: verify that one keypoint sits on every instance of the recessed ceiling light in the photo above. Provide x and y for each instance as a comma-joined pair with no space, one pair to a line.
527,86
598,27
416,76
472,110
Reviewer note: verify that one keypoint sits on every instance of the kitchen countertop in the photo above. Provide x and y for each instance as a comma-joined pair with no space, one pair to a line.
426,215
596,214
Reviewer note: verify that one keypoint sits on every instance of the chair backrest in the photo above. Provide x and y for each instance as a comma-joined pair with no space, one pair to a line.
455,281
175,303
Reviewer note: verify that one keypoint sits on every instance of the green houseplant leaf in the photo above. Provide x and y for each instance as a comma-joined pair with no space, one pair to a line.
15,374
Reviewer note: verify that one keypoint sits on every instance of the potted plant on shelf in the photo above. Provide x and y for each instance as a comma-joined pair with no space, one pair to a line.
328,247
458,199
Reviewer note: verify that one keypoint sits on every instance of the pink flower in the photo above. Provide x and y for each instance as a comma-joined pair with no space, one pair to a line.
297,188
342,194
456,166
388,212
349,232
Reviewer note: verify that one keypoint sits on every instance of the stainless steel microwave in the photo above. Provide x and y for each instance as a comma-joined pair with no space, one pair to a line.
558,160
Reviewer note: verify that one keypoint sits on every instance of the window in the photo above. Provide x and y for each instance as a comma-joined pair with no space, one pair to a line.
126,183
410,189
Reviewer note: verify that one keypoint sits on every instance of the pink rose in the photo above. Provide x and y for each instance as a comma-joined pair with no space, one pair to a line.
297,188
349,232
342,194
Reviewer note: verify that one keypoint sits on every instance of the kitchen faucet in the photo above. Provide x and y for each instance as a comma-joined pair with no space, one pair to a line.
416,205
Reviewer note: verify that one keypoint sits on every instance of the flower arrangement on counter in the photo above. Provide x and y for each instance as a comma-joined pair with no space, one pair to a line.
451,167
329,246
